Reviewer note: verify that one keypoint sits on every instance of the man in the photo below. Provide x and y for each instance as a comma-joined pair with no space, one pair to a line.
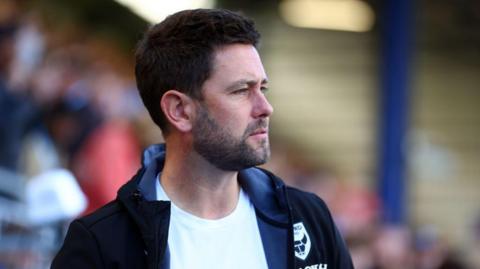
198,201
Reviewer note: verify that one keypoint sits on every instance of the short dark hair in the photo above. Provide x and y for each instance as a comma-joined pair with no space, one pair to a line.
178,53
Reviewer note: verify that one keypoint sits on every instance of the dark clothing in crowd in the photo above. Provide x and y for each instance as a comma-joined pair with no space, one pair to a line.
18,117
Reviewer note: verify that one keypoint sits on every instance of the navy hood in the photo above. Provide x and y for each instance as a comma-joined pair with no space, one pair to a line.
265,190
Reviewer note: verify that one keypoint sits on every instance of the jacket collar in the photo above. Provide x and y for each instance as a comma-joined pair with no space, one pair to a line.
266,191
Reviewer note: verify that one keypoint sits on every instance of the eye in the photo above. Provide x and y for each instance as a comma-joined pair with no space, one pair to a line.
240,91
264,89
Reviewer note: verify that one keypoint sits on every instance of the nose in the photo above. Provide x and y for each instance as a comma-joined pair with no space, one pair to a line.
262,108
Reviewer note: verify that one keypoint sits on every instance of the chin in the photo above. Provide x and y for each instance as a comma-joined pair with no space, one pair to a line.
263,155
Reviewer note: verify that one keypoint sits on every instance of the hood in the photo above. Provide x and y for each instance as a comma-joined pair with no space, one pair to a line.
265,190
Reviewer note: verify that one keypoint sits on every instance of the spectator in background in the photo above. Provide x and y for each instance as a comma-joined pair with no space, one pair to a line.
393,248
16,113
20,116
474,255
112,144
88,121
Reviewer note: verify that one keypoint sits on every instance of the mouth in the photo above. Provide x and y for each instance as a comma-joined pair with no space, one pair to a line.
261,131
258,129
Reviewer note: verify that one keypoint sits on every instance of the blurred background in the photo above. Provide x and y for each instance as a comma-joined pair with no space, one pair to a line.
376,111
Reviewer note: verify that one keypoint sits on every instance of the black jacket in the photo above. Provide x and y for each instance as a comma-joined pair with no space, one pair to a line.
296,227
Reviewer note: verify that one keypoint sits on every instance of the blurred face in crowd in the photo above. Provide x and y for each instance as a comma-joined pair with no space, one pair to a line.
231,127
6,54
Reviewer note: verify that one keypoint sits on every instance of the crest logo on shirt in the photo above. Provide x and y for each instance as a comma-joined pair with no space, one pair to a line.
301,241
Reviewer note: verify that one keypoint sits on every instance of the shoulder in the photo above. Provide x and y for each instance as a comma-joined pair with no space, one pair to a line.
299,201
100,239
108,222
297,194
294,195
308,205
106,214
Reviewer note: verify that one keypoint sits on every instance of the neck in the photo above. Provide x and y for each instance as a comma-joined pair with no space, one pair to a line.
196,186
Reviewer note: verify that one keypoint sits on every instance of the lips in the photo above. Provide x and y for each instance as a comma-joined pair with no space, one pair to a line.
259,128
259,132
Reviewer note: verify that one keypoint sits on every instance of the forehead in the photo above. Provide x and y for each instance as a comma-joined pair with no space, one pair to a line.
237,62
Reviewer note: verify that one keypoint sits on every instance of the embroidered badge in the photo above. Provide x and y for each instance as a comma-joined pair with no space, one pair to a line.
302,243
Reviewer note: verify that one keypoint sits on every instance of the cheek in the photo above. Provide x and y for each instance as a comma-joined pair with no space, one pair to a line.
233,123
232,115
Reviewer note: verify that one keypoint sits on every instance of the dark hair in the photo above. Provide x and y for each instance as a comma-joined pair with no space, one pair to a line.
178,53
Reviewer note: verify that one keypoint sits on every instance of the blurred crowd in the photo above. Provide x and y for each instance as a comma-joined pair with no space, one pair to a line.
68,138
72,130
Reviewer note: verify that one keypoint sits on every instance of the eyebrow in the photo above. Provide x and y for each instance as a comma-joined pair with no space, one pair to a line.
241,82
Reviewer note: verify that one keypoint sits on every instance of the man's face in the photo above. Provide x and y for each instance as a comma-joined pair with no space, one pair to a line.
231,125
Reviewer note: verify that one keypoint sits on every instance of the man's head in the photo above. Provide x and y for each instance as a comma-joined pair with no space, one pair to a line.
177,54
200,77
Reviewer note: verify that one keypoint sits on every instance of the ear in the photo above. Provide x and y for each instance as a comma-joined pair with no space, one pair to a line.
178,108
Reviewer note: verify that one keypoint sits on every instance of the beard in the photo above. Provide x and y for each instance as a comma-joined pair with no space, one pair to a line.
222,149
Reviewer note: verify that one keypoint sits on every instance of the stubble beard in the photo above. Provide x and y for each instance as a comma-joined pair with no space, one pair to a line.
219,147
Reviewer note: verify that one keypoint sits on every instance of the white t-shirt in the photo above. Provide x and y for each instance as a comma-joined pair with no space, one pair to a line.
230,242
